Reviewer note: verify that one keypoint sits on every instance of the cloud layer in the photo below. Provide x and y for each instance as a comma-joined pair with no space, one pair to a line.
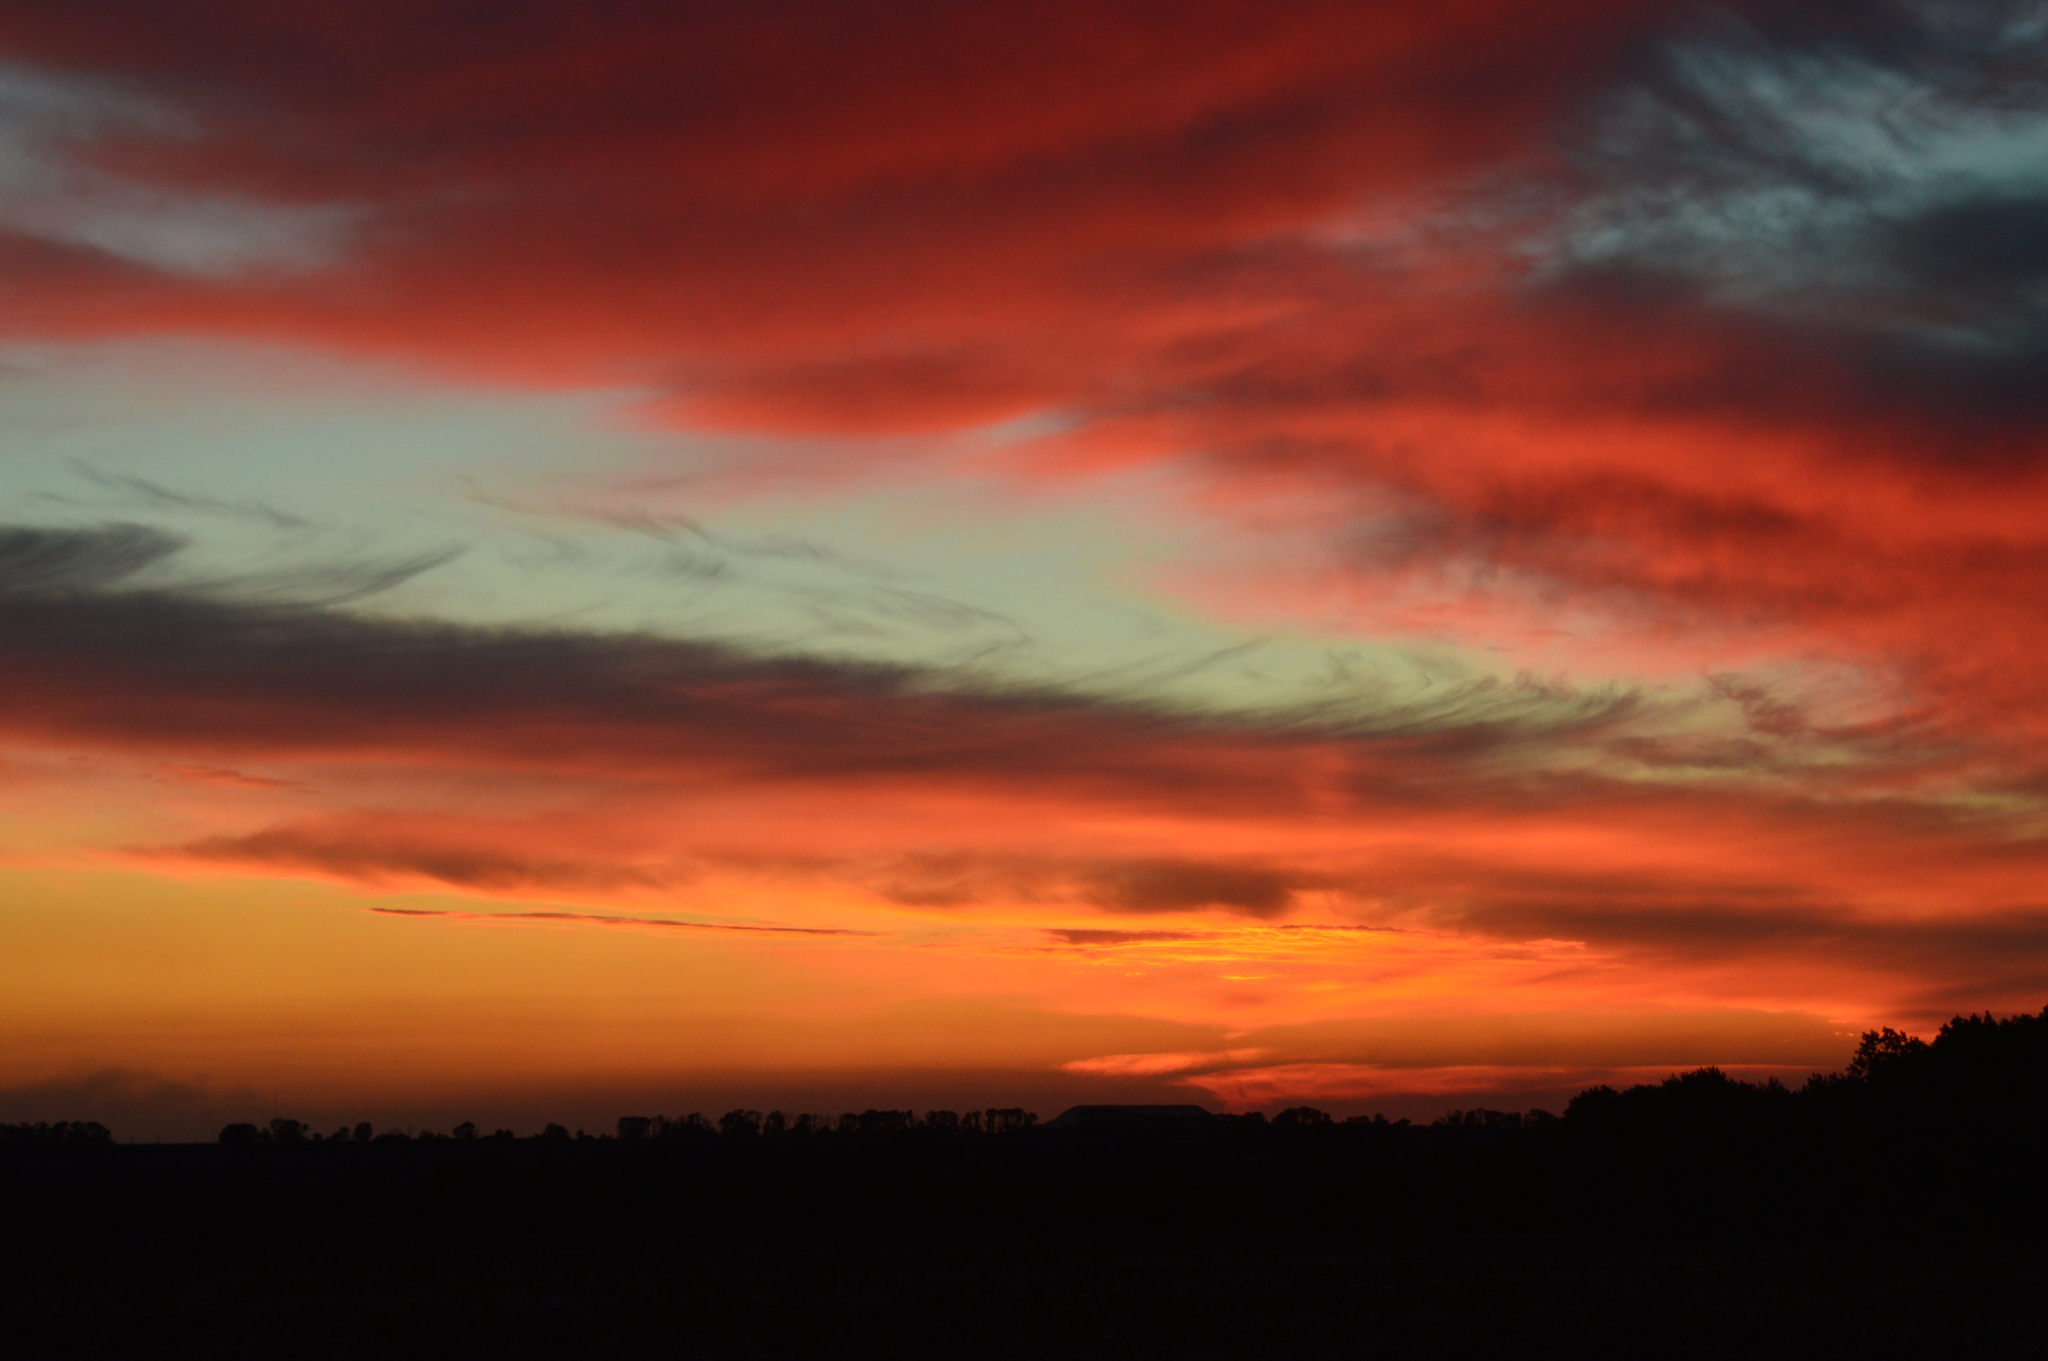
1661,381
633,768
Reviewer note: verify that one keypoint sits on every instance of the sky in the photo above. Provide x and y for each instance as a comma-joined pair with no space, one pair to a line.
563,558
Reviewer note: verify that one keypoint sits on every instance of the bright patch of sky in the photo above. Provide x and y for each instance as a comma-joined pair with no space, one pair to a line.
297,478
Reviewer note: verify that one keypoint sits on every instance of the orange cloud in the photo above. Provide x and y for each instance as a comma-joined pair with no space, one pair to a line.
1387,284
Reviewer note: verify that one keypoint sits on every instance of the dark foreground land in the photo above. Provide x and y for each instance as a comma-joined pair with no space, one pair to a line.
679,1293
1897,1210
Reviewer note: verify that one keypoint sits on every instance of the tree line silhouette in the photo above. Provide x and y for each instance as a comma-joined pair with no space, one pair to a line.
64,1133
736,1124
1912,1136
1890,1209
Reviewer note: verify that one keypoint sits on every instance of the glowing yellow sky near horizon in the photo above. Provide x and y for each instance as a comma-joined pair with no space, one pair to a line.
323,993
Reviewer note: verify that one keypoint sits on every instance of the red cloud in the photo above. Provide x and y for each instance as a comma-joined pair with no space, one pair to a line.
628,768
1245,232
1290,244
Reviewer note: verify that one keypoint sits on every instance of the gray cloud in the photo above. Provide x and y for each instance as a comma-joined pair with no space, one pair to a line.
1877,168
175,670
35,561
330,583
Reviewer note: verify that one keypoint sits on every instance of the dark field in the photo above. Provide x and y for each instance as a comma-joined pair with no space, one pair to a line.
1895,1210
1021,1246
675,1290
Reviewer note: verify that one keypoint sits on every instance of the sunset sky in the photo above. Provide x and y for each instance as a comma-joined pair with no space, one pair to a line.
565,558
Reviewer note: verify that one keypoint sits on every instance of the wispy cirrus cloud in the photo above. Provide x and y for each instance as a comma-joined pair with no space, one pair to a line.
1656,383
613,919
1641,457
1158,1065
607,766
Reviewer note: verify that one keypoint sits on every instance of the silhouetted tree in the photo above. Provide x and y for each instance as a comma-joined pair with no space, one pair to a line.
692,1126
364,1132
773,1124
1884,1050
241,1135
555,1134
740,1124
285,1131
1593,1107
635,1126
466,1131
1479,1118
1301,1116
